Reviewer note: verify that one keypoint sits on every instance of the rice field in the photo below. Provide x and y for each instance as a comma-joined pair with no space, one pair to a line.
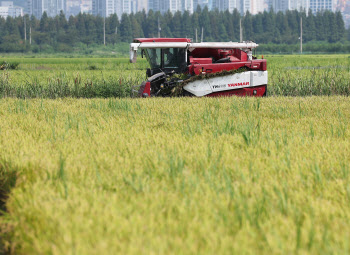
112,77
176,175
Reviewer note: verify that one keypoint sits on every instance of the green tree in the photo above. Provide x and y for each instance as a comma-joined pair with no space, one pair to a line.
228,24
176,25
112,26
340,33
204,22
236,17
248,26
258,29
44,23
195,25
320,28
135,27
166,24
310,28
187,28
151,25
125,29
214,21
269,26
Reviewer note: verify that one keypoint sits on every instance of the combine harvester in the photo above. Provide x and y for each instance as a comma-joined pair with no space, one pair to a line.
182,68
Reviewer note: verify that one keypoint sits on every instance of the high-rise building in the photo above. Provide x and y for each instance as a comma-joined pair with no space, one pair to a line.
51,7
244,6
280,5
7,9
232,4
300,5
187,5
86,6
321,5
105,8
142,5
284,5
154,5
257,6
72,7
205,3
253,6
223,5
219,4
195,4
99,7
172,5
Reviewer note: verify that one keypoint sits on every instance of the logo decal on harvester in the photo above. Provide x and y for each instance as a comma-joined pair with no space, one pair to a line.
238,84
219,86
231,85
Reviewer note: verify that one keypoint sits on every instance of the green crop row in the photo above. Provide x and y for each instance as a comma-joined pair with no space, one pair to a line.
102,77
69,85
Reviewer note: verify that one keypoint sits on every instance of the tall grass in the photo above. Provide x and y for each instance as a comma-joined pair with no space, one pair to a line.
63,85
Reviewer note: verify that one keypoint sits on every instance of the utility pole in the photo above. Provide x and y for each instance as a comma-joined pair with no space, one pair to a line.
104,31
202,34
301,35
196,35
240,31
25,30
159,28
30,35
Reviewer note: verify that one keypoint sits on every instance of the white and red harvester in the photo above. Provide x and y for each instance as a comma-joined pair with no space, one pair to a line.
180,67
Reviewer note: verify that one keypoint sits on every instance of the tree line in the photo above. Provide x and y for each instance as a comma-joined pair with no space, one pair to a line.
22,34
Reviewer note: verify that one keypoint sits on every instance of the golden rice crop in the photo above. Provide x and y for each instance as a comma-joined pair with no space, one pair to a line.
176,176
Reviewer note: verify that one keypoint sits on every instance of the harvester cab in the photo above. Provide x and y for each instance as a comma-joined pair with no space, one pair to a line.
179,67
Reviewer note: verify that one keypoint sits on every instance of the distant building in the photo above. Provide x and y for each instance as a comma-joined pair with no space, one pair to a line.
86,6
203,4
142,5
232,5
51,7
6,3
173,5
245,5
284,5
253,6
279,5
223,5
257,6
7,9
105,8
187,5
73,7
153,5
220,4
300,5
321,5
